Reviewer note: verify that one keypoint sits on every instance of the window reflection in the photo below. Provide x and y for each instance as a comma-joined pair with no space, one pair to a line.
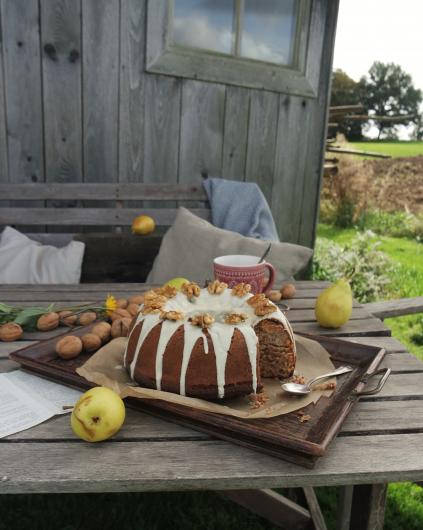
269,30
205,24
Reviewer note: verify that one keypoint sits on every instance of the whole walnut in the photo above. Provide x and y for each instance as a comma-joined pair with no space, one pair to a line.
69,347
48,322
122,303
10,332
91,342
119,313
274,296
120,328
103,330
133,309
288,291
137,299
87,318
68,318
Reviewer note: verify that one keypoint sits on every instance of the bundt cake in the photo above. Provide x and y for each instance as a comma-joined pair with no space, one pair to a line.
211,343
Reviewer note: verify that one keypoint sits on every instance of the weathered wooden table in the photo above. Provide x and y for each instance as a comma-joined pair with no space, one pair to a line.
380,442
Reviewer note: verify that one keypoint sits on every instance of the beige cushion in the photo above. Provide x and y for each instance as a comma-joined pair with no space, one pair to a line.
190,245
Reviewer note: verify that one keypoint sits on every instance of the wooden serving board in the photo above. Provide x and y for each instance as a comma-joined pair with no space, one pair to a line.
283,436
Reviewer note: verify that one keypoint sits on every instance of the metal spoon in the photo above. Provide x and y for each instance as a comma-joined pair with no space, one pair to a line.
299,389
266,252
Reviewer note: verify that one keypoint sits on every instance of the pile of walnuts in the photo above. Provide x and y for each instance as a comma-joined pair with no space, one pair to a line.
70,346
286,292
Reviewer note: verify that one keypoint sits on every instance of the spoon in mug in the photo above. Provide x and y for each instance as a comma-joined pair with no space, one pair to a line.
299,389
266,252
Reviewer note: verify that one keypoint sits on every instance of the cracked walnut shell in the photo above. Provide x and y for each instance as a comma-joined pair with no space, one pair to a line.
48,322
69,347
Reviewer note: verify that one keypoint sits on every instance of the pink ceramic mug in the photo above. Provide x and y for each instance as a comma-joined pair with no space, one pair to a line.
237,268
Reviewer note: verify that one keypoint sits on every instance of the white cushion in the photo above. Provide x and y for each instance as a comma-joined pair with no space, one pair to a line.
23,260
190,245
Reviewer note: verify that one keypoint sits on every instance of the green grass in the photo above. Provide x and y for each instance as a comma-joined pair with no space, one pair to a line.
396,149
407,280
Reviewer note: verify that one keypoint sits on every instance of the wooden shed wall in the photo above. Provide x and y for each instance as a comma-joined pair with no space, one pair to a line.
77,105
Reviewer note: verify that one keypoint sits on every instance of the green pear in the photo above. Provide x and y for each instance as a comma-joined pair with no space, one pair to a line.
334,305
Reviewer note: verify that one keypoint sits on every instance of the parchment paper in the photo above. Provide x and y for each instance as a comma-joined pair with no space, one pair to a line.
105,368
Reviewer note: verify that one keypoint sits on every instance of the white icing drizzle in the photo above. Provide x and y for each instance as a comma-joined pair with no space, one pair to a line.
251,341
221,336
191,335
149,321
168,329
220,333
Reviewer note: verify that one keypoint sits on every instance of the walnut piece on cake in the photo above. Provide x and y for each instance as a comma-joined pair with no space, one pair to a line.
167,290
264,308
191,289
171,315
241,289
216,287
256,299
203,320
235,318
153,302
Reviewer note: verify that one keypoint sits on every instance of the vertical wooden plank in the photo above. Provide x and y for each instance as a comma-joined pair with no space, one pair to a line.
368,507
4,173
201,130
61,63
262,140
325,14
237,106
162,125
100,44
343,517
288,182
20,28
132,90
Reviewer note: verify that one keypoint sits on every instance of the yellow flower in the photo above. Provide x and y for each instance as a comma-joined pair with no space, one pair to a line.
110,304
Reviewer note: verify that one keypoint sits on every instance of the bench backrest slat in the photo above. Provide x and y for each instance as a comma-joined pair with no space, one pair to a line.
102,192
89,216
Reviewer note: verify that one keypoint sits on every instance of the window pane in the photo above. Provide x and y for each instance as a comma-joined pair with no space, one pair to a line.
205,24
269,30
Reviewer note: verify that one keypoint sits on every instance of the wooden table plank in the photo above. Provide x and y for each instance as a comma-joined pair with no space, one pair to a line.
194,465
400,386
402,362
390,344
359,327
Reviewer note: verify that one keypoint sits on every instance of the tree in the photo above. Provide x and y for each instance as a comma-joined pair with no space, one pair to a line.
346,91
389,91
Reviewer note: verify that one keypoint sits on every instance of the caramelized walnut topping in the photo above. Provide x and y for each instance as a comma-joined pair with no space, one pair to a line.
149,310
235,318
167,291
256,299
264,308
191,289
241,289
204,320
216,287
171,315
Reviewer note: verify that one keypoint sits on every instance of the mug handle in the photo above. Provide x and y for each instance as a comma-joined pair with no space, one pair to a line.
271,279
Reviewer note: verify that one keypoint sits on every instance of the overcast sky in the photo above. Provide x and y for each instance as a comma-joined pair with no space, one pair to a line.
380,30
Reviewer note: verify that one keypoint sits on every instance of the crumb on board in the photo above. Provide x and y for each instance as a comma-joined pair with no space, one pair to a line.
325,386
258,400
302,416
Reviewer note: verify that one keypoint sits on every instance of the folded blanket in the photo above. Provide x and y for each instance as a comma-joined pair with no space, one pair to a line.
240,207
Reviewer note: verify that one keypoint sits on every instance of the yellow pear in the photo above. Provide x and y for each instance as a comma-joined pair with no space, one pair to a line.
334,305
98,414
177,283
143,225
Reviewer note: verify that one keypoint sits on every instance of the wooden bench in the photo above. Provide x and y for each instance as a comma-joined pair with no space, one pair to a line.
395,308
56,213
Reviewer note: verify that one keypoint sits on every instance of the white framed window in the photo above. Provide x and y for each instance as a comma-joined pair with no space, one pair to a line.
253,43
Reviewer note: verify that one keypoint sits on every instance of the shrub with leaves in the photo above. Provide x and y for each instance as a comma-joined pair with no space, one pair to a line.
361,262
